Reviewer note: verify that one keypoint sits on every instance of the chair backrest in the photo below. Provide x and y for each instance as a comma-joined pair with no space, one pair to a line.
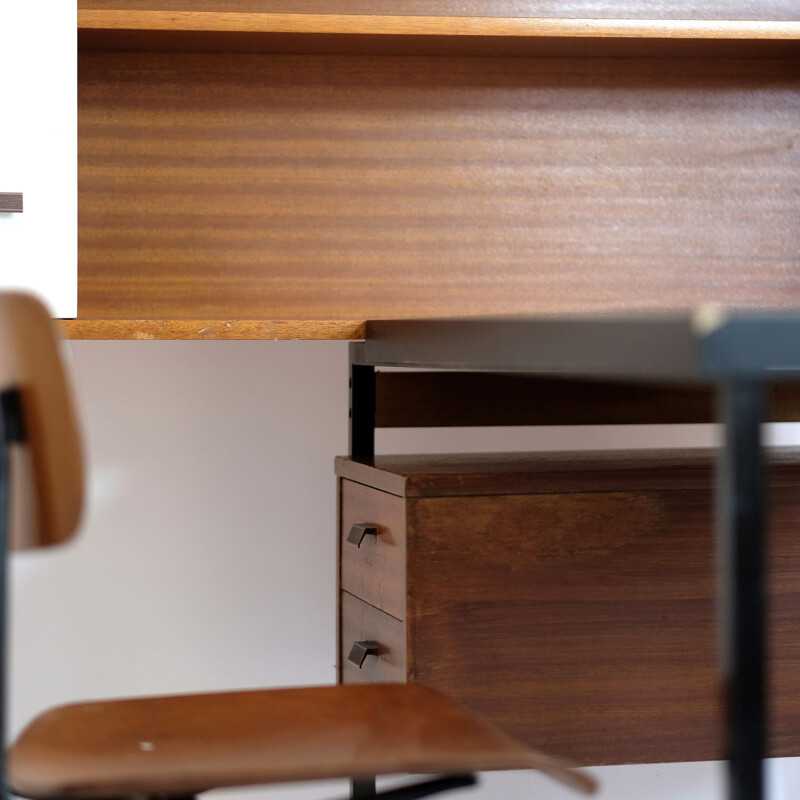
44,454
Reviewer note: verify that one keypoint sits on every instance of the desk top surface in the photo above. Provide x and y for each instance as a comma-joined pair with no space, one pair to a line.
706,345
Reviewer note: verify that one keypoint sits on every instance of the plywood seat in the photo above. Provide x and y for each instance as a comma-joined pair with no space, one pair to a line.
183,745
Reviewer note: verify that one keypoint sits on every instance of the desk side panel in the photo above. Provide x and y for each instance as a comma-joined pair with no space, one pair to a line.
586,622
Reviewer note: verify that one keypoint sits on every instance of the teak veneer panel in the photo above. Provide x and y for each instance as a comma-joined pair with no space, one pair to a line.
382,583
361,621
207,741
228,187
468,399
457,474
571,599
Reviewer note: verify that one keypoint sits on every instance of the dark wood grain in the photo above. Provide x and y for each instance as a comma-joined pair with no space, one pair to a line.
293,187
464,474
436,399
468,399
375,571
575,603
362,622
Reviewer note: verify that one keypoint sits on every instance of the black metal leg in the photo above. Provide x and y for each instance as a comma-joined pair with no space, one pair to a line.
742,544
4,537
12,429
362,405
363,789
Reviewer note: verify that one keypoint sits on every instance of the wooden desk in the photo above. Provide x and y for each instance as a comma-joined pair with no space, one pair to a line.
250,173
740,353
569,597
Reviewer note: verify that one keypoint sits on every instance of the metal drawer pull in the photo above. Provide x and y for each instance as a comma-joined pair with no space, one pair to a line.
360,650
10,202
359,531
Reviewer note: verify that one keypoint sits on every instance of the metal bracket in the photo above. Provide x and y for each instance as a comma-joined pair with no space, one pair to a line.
10,202
365,790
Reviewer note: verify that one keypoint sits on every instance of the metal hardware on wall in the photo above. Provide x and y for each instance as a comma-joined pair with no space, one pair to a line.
10,202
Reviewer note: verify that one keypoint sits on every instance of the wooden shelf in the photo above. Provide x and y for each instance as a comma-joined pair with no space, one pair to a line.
446,35
237,182
149,329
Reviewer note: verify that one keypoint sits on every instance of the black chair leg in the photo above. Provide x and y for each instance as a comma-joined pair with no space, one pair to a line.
366,790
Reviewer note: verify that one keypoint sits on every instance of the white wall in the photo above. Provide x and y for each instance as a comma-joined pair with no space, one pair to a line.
207,555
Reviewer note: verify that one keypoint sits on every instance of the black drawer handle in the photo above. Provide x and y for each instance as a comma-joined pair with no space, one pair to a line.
359,531
360,650
10,202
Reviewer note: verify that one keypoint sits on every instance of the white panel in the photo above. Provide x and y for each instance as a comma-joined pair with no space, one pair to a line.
39,150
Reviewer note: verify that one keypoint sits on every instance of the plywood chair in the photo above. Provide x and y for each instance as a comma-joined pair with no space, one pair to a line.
179,746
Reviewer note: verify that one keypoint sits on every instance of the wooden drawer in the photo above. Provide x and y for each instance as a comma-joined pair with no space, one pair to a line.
361,622
571,599
376,570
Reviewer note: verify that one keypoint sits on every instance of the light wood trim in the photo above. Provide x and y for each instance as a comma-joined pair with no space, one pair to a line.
146,329
381,25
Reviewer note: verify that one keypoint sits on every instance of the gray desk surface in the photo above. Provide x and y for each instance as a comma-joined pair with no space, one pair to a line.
706,345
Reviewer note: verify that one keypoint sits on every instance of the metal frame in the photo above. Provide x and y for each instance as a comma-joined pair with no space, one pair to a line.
12,430
741,545
365,789
362,404
739,353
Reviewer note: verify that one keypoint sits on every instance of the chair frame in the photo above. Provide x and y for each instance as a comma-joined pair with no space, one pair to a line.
35,412
12,430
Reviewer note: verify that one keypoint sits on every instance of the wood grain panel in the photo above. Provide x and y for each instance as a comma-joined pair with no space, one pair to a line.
362,622
636,9
461,474
257,187
587,620
376,571
465,399
439,36
179,746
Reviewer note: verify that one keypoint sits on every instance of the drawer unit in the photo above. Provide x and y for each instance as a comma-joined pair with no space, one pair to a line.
373,568
362,623
568,597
